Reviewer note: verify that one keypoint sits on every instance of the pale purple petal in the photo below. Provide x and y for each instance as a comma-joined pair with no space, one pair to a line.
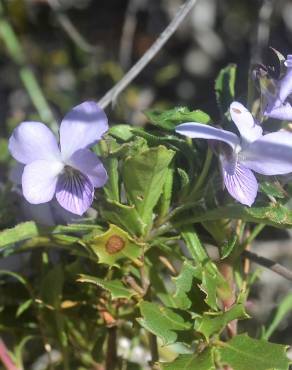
90,165
244,121
282,112
39,180
285,85
269,155
200,131
288,61
240,182
82,127
32,141
75,192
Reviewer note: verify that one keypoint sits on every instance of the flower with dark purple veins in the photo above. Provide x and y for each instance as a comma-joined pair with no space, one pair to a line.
269,154
278,93
69,171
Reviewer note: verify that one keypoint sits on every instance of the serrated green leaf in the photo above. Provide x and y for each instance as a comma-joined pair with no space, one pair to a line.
169,119
162,321
23,231
213,283
209,286
225,87
200,361
184,177
113,245
115,287
144,178
283,309
243,352
122,132
227,248
124,216
184,282
275,190
213,323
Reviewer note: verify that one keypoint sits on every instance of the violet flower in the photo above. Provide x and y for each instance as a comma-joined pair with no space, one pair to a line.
269,154
70,172
277,95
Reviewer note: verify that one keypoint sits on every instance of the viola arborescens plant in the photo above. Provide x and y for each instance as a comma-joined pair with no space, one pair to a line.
70,172
137,277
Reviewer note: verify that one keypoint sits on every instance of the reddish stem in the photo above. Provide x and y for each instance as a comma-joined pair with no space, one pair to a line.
6,358
227,271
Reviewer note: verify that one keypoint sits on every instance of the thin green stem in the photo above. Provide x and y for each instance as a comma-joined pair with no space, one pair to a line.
254,234
27,77
203,174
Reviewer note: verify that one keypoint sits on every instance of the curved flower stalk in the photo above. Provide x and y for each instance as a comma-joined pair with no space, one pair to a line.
69,172
269,154
277,95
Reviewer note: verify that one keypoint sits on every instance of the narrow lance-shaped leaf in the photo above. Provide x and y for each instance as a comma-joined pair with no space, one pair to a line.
225,87
111,188
275,215
283,309
115,287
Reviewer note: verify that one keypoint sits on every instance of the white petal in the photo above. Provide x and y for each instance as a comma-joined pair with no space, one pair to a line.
39,180
200,131
249,130
31,141
269,155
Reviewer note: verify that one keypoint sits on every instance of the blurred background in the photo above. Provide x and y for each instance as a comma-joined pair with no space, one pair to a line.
56,53
78,49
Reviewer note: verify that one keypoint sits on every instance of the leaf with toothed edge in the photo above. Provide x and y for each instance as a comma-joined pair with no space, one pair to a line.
115,287
199,361
113,245
162,321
